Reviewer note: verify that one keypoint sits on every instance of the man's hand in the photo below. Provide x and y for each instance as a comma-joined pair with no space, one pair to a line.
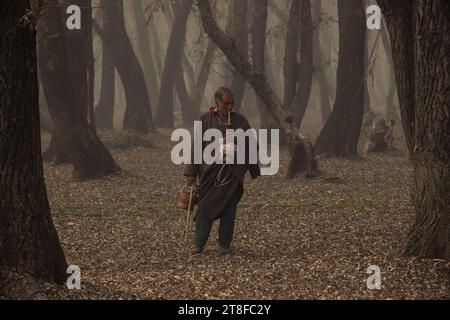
190,180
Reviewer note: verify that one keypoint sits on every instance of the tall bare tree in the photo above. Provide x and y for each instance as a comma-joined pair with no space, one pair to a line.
319,63
291,53
146,52
29,245
66,85
104,112
172,65
421,49
259,52
341,132
305,65
299,145
240,33
399,19
138,114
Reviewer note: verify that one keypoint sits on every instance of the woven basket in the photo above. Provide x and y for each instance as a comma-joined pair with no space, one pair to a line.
185,193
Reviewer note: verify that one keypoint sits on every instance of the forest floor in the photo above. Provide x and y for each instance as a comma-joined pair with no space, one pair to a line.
294,239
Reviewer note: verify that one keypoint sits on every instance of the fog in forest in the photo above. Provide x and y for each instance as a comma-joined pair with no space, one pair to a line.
95,96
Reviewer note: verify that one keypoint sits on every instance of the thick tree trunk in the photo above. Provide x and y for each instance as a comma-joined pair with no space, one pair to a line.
421,50
104,112
259,84
306,64
240,34
68,105
172,65
341,132
29,243
138,111
400,21
81,63
429,236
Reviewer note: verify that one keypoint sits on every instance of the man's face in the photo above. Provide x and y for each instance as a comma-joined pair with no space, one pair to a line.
226,104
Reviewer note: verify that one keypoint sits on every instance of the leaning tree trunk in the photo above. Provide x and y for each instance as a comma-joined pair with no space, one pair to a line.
104,112
172,65
138,114
29,245
67,106
420,33
262,88
341,132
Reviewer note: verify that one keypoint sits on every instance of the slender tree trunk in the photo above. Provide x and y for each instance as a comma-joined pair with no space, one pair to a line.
189,73
146,52
399,21
138,110
156,46
367,106
29,243
259,53
341,132
187,103
240,33
104,113
290,54
190,106
306,65
203,75
427,38
172,65
391,112
67,105
319,64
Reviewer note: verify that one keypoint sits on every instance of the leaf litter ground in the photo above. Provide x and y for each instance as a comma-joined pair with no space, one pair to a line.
294,239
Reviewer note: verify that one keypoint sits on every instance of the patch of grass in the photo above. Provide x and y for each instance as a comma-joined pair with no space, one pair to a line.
292,208
161,210
125,140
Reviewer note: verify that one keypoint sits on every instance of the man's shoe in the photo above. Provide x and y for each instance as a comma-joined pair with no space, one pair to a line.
224,251
196,250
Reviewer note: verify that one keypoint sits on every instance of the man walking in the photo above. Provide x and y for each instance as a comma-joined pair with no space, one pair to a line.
221,185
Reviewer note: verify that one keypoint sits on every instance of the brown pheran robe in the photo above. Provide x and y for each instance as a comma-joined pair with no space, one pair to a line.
214,196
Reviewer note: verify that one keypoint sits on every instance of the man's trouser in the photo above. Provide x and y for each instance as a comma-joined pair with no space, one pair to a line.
203,225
